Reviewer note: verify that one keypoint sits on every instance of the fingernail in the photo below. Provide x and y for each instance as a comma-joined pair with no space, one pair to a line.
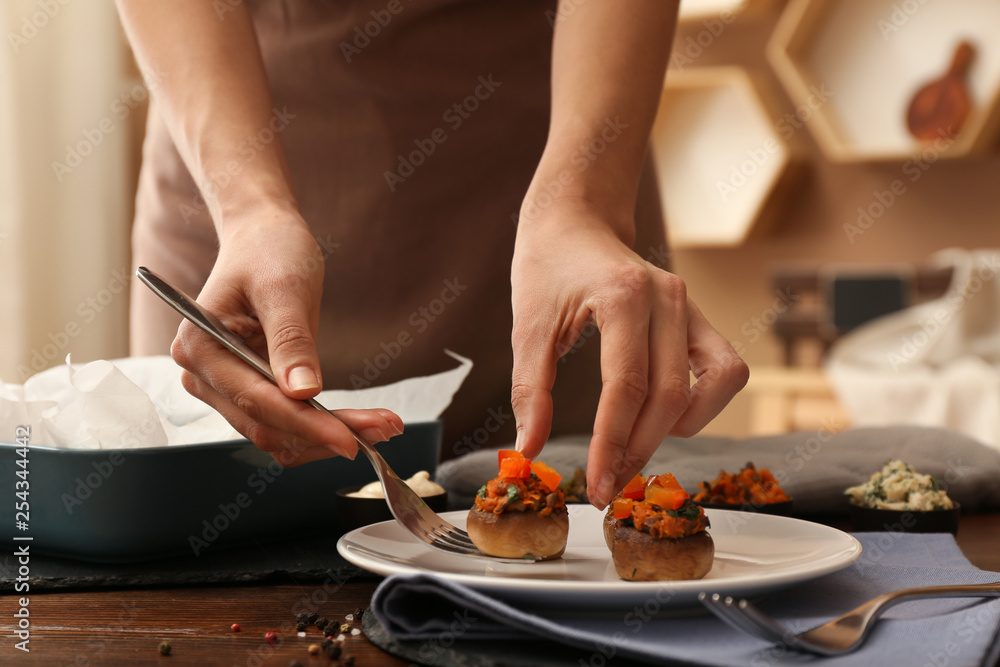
398,428
302,377
604,488
519,442
340,451
374,434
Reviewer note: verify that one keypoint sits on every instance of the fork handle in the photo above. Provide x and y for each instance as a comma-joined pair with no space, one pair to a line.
874,608
382,469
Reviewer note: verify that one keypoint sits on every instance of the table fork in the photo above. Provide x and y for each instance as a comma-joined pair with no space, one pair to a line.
841,635
406,506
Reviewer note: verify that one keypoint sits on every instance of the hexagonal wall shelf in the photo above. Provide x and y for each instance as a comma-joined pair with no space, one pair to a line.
722,166
868,58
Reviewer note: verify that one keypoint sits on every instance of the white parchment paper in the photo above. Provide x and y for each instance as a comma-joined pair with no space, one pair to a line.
139,402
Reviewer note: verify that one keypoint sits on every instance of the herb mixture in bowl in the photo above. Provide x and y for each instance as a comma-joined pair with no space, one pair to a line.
897,486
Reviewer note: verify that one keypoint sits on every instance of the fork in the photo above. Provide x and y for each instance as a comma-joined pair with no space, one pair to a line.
406,506
841,635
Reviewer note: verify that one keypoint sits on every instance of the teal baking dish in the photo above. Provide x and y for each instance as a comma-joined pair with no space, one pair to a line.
129,505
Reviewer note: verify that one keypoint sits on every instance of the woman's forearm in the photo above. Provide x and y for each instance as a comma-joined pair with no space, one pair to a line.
609,61
214,97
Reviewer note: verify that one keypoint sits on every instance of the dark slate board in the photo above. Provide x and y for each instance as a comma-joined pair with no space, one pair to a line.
297,560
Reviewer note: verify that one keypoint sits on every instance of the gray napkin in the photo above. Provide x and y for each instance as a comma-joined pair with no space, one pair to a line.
959,632
814,467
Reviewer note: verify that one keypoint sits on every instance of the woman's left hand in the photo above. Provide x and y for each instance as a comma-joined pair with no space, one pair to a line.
569,268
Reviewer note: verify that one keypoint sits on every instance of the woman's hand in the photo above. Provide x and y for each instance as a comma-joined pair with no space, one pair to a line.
570,268
572,261
267,281
266,287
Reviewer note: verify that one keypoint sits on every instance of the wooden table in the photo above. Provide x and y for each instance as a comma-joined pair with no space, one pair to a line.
126,627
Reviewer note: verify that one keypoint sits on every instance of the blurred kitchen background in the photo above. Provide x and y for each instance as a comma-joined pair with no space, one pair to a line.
799,203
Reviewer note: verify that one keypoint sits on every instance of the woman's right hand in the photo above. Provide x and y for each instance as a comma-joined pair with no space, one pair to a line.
268,278
266,286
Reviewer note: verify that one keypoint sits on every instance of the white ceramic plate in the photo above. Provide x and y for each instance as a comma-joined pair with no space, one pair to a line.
754,554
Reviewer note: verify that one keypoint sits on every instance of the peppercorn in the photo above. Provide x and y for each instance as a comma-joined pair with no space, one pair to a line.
349,660
295,663
331,629
271,637
301,627
321,622
314,649
312,617
333,651
235,627
344,627
302,618
327,642
164,648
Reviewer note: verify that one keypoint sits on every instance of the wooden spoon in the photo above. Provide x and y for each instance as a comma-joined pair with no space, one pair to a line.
940,107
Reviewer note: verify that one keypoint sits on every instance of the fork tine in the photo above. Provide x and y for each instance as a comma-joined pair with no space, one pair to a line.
431,528
466,551
743,615
437,536
476,553
441,534
467,547
448,538
438,527
766,627
724,611
779,633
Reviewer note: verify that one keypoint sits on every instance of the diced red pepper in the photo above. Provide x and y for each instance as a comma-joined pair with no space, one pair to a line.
634,489
622,507
546,474
670,499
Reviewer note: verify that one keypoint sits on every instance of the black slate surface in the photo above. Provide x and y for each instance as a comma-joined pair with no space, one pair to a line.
298,560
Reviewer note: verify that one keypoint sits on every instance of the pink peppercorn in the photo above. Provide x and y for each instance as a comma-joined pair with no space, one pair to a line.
270,637
236,627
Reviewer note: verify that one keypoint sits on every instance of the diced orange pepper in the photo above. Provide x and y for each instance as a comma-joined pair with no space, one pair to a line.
517,468
546,474
622,507
670,499
634,489
668,481
508,454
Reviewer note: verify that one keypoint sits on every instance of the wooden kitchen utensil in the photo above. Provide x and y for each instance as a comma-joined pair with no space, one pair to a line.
940,107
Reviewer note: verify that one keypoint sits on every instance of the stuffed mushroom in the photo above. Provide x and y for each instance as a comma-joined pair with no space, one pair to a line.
521,513
656,533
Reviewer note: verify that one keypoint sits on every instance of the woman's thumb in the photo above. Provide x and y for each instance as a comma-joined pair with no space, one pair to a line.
292,352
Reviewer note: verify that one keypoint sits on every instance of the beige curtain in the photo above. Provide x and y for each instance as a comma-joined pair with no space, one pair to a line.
67,105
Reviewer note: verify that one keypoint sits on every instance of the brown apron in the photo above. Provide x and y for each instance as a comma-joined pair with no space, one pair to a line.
411,139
